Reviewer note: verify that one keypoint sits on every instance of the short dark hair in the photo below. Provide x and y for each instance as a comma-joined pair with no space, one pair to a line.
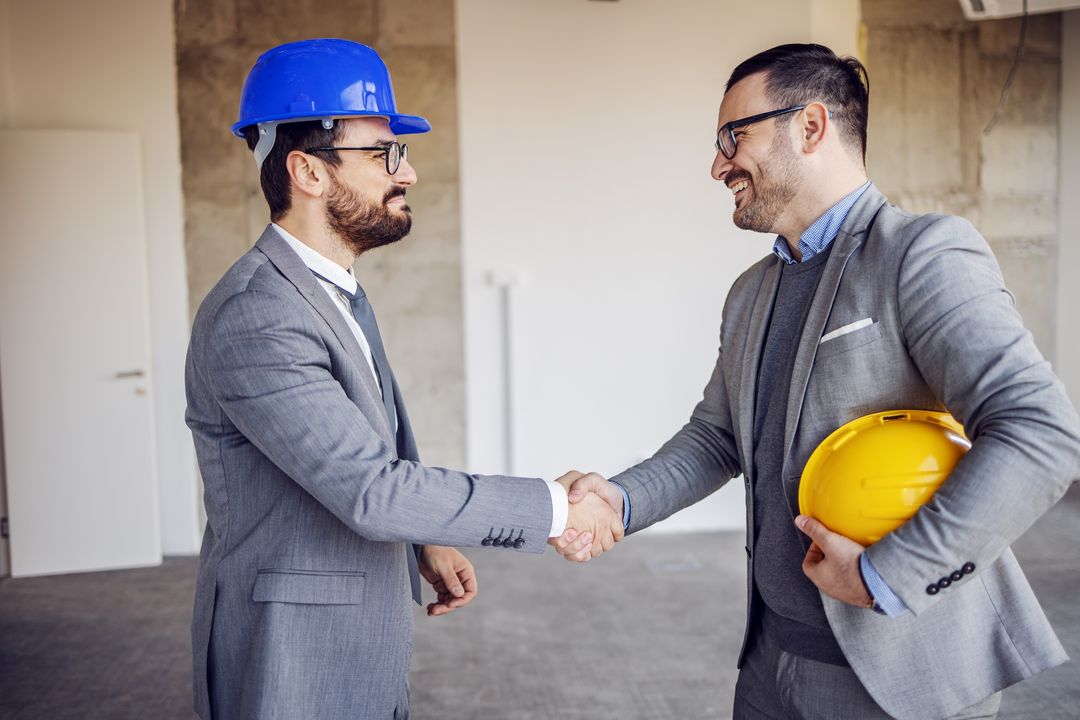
804,73
274,175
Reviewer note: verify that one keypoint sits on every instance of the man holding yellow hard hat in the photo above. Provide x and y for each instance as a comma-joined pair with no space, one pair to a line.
864,309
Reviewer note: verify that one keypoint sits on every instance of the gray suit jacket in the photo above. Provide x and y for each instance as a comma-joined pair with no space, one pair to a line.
302,604
945,335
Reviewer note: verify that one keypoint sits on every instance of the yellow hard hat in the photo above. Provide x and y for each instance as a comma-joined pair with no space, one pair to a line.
872,474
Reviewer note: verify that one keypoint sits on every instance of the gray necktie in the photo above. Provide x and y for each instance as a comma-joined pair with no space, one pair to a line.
365,318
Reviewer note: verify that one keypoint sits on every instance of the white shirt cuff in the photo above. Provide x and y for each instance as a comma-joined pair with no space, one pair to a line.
560,508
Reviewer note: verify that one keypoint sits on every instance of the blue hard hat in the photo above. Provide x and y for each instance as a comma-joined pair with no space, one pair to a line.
321,79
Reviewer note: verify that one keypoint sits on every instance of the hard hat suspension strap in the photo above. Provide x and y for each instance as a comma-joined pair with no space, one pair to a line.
267,136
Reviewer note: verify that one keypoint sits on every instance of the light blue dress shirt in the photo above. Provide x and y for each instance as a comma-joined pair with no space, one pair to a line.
815,239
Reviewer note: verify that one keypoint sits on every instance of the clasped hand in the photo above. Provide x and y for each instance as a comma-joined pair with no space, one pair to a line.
595,519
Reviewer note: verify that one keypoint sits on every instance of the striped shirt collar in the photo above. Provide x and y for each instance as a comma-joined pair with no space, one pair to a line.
822,232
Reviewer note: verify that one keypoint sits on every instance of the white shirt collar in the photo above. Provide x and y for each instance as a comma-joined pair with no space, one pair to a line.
321,264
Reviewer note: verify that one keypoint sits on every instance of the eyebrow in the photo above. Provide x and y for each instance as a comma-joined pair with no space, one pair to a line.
383,143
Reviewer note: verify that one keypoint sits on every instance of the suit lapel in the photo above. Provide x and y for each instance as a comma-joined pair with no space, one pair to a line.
751,359
848,239
295,271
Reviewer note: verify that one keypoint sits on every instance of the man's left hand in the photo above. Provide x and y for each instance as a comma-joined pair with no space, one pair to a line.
452,576
832,563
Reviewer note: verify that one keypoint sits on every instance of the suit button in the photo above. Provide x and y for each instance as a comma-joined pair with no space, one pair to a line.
519,543
932,589
967,568
956,576
944,583
487,541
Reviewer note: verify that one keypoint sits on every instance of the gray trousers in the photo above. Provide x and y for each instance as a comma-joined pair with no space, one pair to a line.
777,685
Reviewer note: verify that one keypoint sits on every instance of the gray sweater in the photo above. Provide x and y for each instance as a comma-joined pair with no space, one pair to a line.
793,613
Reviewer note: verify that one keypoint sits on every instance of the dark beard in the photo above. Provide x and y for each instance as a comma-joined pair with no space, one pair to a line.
774,187
364,227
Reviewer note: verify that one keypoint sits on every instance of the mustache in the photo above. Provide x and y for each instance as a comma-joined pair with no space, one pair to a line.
393,193
735,176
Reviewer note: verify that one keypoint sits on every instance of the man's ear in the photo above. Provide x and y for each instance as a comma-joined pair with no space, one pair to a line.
812,124
307,174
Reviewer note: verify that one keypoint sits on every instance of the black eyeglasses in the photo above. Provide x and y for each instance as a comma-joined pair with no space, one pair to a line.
725,136
393,151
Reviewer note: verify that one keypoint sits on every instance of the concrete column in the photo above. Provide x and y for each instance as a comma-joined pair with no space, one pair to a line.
415,285
1068,355
935,80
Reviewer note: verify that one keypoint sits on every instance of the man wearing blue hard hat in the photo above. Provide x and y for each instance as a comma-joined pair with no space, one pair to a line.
320,517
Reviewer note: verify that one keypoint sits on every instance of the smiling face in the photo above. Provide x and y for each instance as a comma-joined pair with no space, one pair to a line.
764,174
366,206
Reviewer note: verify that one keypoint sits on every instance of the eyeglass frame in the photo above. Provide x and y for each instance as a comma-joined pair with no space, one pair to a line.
731,126
403,152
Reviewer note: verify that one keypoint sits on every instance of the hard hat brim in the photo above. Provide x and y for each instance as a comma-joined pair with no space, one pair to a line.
399,124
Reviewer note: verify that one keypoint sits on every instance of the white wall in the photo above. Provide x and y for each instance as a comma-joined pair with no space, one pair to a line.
1068,329
586,139
835,24
110,65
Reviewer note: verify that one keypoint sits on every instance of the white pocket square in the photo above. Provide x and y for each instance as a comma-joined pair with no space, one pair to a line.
845,329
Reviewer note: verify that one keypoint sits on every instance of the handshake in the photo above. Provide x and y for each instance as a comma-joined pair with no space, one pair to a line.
594,522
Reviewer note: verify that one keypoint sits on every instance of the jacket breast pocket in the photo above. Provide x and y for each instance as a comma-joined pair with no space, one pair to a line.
838,344
308,587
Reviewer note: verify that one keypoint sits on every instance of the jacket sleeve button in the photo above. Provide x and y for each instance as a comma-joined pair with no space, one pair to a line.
932,589
968,568
956,576
944,583
519,543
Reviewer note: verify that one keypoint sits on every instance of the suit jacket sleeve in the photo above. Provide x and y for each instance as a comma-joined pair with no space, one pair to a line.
964,334
696,462
269,370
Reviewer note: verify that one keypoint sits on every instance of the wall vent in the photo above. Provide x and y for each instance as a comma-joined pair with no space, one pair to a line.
996,9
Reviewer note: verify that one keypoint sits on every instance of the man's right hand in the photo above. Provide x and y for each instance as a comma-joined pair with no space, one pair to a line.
595,520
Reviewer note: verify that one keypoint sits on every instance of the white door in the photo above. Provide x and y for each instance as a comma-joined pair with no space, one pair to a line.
75,353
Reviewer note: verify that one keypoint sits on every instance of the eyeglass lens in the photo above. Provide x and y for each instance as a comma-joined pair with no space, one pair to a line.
725,141
395,153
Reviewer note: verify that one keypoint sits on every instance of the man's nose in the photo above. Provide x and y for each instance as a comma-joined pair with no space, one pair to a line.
721,166
406,174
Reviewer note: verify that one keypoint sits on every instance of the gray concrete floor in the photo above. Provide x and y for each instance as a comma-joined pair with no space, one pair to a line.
650,631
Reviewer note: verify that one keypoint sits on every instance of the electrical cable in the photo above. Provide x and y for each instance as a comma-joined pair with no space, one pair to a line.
1012,73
